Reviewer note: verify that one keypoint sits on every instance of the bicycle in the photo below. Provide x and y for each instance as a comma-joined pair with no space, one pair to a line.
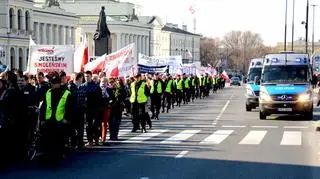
34,143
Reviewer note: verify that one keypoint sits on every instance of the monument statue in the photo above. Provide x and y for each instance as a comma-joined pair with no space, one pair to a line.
50,3
101,37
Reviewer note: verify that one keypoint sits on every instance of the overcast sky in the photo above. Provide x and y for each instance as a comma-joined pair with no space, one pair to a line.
216,17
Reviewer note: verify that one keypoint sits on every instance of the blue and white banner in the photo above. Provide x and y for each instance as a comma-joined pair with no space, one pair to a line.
152,69
174,62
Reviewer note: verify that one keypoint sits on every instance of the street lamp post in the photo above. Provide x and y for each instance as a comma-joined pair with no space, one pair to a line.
292,37
313,5
306,25
285,27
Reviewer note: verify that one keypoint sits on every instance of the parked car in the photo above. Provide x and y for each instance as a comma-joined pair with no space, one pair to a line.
235,81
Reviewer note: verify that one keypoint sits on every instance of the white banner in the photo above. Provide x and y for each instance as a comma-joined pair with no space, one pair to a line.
92,58
174,62
123,59
51,58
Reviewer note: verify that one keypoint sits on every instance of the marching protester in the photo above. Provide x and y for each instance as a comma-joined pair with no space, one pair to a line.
99,101
57,111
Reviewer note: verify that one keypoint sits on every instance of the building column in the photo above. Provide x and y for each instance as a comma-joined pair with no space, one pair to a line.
67,35
138,44
142,45
23,22
118,36
16,62
37,32
147,45
25,60
126,39
135,37
62,35
44,34
123,40
56,34
50,39
73,42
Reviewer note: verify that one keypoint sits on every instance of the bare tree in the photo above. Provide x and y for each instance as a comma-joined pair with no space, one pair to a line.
209,48
243,46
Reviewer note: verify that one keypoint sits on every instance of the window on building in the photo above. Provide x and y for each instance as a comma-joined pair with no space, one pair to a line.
11,16
20,59
27,16
19,19
12,58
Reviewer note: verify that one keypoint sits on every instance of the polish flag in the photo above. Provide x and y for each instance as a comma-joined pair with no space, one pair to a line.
81,56
225,76
209,66
97,65
189,54
192,9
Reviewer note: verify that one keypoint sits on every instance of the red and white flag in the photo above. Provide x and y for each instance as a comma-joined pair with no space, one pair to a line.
225,76
81,55
192,9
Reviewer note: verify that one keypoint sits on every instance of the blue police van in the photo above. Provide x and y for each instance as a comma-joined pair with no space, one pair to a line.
253,83
286,85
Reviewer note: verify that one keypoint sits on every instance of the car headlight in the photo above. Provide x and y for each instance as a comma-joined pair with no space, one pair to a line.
250,92
265,96
304,97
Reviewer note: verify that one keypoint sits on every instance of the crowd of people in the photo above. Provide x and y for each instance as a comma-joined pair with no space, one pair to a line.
68,105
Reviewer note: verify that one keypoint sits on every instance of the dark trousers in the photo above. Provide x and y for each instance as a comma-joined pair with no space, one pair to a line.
135,119
168,98
114,125
156,104
197,92
202,92
78,128
142,114
186,95
192,93
179,96
53,139
5,149
93,125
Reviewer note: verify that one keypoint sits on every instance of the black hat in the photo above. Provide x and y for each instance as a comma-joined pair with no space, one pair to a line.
138,75
55,79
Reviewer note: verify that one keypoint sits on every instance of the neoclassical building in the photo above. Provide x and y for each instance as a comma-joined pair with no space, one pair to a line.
46,25
122,21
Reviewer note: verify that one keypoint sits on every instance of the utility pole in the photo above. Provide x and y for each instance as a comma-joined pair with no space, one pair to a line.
292,37
313,5
285,27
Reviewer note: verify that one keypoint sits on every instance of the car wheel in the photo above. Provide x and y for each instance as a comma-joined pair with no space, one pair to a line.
262,115
248,108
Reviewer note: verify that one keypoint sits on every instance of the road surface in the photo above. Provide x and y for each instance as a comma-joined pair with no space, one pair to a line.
210,138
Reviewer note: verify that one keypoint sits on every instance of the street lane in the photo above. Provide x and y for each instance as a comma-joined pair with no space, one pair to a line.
211,138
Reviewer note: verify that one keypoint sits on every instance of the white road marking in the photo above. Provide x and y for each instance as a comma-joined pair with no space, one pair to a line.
232,126
217,137
178,138
291,138
205,126
295,127
145,136
124,132
181,154
144,177
253,138
222,110
274,127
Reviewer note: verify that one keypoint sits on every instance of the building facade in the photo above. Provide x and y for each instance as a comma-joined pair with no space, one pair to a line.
183,43
46,25
122,22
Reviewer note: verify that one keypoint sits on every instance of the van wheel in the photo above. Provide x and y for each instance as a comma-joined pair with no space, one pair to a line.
308,116
262,115
248,108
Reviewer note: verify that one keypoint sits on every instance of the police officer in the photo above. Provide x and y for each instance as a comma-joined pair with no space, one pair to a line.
56,112
168,93
156,96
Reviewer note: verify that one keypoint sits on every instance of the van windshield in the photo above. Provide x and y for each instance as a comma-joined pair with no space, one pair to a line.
253,73
285,74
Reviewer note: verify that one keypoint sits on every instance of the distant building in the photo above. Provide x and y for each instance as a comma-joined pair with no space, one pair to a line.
299,46
183,43
20,19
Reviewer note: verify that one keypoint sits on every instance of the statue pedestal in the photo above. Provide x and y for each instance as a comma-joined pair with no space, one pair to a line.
101,46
